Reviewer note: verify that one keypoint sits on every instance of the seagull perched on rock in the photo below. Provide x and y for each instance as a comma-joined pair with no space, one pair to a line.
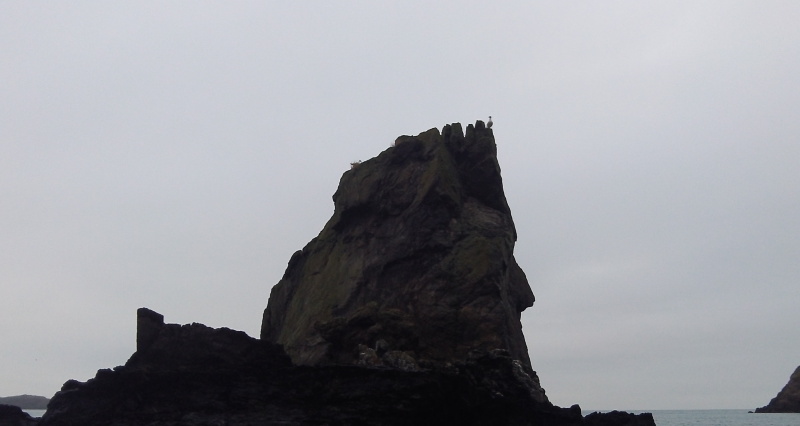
489,123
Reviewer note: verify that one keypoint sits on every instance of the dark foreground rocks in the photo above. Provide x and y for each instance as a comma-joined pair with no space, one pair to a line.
619,418
195,375
788,399
11,415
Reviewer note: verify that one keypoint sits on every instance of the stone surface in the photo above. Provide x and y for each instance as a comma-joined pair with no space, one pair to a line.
194,375
418,254
619,418
788,399
176,371
11,415
403,311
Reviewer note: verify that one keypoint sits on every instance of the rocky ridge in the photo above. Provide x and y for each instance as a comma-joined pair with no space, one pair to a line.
788,399
404,310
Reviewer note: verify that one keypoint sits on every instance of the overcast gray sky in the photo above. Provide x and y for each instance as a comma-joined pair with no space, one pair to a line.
174,155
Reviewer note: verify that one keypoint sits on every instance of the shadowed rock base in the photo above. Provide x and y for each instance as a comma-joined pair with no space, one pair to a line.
11,415
193,375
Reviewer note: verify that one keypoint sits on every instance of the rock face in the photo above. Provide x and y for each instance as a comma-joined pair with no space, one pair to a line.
403,311
417,261
619,418
195,375
788,399
177,372
11,415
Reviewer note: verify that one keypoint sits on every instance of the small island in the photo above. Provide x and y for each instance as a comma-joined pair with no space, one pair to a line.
27,402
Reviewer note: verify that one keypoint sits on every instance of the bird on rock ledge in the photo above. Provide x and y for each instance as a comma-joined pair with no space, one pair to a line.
490,122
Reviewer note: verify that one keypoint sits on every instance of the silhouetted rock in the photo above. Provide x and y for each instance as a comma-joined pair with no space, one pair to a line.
418,254
176,371
403,311
11,415
619,418
195,375
788,399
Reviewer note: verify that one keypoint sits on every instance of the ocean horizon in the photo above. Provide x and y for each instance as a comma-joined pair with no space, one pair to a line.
716,417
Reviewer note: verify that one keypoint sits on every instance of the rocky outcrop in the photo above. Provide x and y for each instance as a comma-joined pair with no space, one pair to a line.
417,258
177,372
788,399
11,415
403,311
619,418
194,375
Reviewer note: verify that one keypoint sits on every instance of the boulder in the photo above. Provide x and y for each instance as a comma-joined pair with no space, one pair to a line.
619,418
11,415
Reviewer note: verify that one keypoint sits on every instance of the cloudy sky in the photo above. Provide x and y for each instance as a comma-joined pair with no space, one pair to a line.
174,155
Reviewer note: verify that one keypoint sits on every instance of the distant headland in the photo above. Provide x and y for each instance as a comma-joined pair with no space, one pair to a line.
28,402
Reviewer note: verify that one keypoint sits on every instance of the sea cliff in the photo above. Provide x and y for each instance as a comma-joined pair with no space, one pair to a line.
404,310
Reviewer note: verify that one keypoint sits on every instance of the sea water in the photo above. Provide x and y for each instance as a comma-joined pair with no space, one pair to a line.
719,418
688,418
34,413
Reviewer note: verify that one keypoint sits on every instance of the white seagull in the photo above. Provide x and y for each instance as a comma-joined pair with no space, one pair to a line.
489,123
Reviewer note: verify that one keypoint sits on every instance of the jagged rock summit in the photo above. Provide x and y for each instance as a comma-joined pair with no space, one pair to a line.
788,399
417,262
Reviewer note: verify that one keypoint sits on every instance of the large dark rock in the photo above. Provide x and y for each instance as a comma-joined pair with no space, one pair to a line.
176,372
11,415
788,399
418,258
403,311
619,418
194,375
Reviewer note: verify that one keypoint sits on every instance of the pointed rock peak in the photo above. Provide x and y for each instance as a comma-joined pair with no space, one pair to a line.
416,261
